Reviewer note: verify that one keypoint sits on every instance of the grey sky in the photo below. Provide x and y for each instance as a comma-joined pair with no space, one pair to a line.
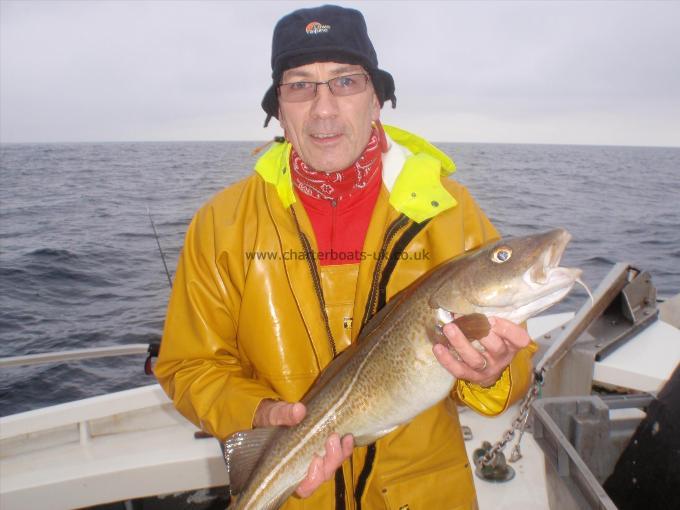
543,72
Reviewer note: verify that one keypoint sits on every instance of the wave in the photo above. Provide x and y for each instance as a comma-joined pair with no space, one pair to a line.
183,223
599,260
135,235
43,269
53,253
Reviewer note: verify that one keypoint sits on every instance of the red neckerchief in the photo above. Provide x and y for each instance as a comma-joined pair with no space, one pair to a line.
341,184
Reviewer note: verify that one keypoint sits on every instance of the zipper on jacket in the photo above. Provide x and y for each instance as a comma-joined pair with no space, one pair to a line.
340,503
316,280
334,216
394,257
363,476
371,303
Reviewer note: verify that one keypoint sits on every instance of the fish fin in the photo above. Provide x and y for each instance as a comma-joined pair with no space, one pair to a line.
242,450
372,438
474,325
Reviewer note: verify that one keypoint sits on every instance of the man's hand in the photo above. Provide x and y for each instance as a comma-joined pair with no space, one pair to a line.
274,413
323,468
482,366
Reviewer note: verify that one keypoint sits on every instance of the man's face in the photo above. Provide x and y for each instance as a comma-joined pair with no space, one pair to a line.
328,132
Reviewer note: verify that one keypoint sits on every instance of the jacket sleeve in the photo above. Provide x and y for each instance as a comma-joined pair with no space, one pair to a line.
510,387
199,365
515,379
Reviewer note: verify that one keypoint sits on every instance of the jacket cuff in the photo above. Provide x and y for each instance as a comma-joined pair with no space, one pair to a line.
241,409
510,387
488,401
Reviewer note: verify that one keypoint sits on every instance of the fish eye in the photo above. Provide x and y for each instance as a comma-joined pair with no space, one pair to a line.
501,254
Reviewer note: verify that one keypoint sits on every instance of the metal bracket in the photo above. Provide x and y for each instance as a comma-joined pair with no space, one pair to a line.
626,305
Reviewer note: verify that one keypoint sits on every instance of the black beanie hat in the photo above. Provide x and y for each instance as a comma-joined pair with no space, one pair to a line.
324,34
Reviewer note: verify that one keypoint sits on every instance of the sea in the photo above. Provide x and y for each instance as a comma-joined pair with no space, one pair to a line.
80,266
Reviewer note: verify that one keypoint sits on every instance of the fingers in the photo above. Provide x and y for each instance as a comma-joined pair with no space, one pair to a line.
502,342
287,414
334,456
457,367
273,413
463,348
347,443
323,468
313,480
516,336
484,376
296,413
494,345
480,361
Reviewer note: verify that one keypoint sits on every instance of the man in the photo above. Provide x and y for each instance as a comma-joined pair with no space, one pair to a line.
343,215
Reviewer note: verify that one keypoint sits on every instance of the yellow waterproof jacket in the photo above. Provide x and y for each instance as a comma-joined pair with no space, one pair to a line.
247,318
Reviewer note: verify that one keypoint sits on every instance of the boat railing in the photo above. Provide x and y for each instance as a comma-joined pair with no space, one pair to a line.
73,355
142,408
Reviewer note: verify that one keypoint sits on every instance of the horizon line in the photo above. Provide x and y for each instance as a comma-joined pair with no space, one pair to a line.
264,141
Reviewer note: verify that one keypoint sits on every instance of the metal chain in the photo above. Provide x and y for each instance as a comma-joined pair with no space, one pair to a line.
516,453
519,423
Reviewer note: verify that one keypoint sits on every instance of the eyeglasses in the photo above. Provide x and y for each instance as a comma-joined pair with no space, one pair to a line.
299,91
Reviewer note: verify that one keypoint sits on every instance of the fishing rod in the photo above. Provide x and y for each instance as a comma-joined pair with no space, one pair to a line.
158,243
154,347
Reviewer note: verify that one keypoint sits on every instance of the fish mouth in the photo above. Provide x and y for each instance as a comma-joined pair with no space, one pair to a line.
544,283
542,297
561,281
546,280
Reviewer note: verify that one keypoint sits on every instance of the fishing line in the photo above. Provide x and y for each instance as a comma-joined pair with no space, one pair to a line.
590,294
158,242
154,347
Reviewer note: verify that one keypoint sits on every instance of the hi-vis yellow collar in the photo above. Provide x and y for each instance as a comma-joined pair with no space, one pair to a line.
412,171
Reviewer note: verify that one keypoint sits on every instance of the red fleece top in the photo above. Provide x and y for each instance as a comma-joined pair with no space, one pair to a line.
339,210
340,227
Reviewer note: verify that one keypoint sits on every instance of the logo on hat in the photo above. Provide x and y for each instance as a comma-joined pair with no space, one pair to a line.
316,28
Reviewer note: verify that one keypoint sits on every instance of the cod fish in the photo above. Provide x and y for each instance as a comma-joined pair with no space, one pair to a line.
390,375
